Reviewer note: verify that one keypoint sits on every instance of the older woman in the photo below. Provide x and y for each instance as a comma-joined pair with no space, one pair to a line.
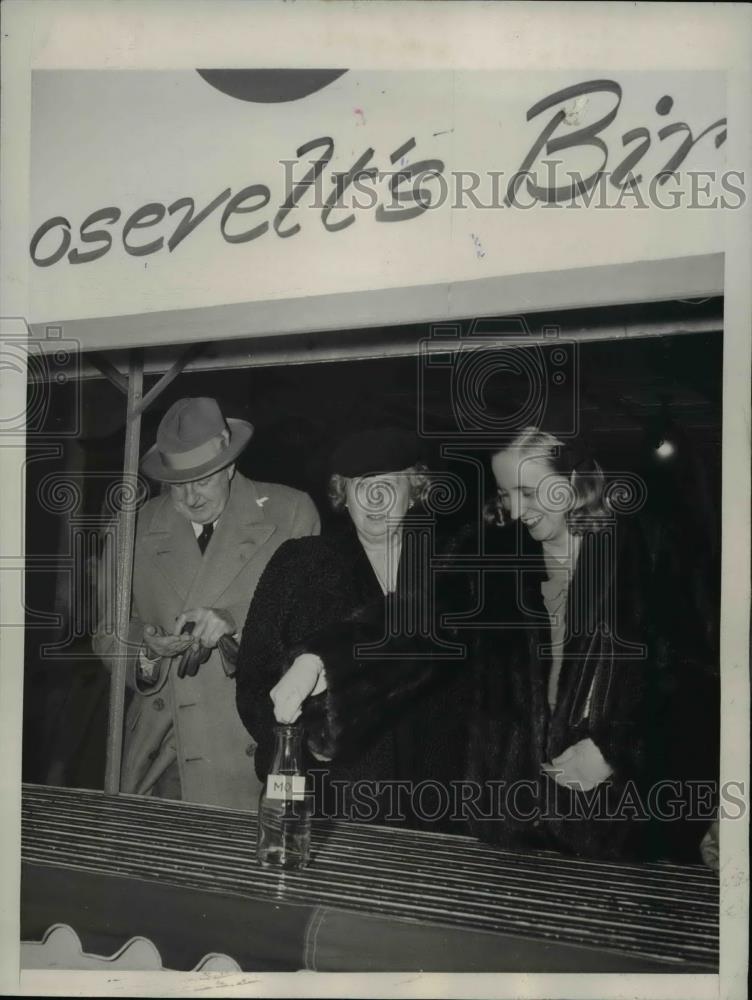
570,709
339,633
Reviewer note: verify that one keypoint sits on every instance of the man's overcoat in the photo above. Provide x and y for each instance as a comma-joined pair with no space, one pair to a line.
193,720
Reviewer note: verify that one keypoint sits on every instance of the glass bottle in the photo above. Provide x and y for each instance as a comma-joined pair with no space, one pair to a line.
284,809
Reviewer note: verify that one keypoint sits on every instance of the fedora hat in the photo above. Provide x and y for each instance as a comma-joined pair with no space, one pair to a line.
191,443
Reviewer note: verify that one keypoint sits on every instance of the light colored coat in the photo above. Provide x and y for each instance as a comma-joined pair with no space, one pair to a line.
194,719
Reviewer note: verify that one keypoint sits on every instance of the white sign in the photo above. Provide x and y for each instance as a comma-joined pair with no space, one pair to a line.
163,190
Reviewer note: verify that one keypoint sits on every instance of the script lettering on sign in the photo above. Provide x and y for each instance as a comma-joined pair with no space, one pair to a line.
409,190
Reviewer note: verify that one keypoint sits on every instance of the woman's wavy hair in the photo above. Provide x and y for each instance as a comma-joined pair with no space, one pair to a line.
572,460
420,485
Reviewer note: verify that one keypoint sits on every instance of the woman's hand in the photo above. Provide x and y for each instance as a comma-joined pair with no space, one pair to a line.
305,677
710,848
581,767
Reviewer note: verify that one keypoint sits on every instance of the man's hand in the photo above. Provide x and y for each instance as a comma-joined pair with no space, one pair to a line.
158,644
581,767
210,625
305,677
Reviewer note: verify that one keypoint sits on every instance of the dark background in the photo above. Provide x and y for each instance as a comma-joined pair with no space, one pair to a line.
627,394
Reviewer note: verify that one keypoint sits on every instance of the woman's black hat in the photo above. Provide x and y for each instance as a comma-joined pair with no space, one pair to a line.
375,451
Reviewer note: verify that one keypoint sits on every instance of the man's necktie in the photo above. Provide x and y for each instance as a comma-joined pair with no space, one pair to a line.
205,537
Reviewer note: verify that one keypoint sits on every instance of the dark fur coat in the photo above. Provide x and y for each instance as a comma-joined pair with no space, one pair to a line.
396,713
626,659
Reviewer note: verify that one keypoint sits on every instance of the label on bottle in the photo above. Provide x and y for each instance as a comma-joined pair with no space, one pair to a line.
289,787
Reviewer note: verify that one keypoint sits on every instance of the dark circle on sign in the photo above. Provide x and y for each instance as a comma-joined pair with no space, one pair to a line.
60,378
664,105
558,357
269,86
558,378
61,357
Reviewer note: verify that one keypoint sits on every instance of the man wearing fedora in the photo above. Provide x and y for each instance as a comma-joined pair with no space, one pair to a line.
200,549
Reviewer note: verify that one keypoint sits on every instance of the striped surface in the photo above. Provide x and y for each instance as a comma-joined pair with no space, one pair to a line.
661,911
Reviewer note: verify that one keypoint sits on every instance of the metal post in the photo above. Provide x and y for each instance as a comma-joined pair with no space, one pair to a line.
156,390
126,538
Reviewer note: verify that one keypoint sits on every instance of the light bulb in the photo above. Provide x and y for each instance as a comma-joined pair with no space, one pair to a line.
665,450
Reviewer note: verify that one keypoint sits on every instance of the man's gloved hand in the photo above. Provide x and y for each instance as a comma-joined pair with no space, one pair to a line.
210,624
158,644
194,656
198,654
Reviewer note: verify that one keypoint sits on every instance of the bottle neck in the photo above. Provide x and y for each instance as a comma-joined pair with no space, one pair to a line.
287,757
